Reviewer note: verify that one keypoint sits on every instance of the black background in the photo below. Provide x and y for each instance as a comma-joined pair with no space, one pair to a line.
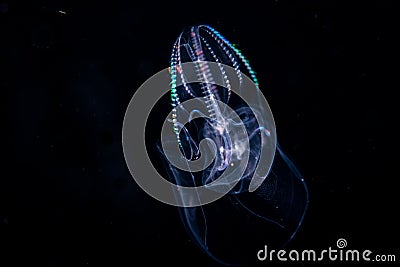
66,196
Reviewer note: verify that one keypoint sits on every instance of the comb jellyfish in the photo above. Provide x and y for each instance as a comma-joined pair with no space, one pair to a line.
266,204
